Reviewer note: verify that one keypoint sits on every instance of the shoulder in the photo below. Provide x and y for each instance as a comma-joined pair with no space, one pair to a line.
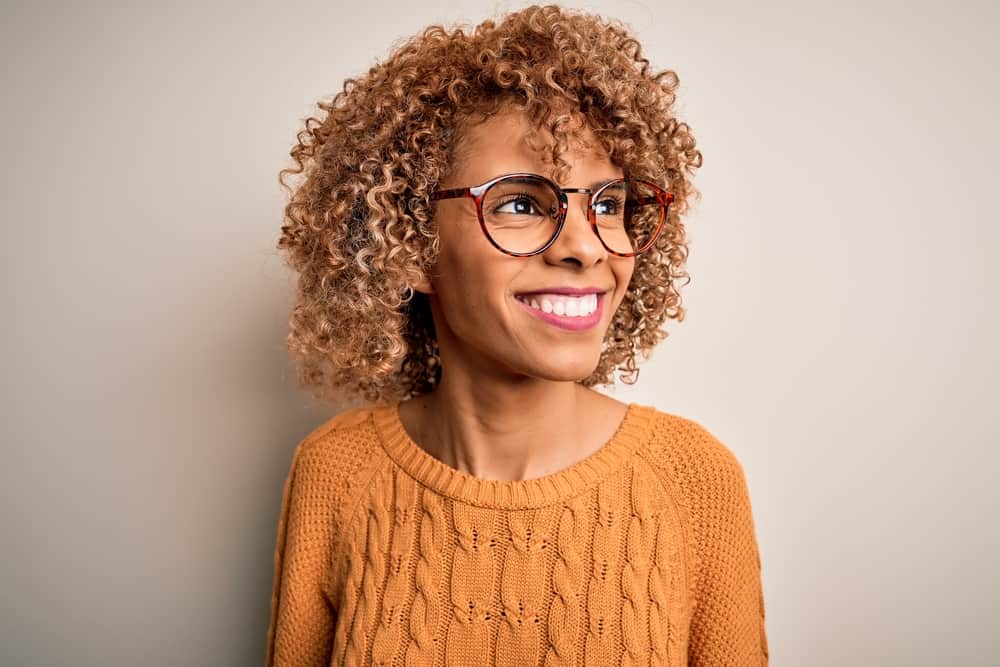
709,484
352,418
335,448
322,478
690,457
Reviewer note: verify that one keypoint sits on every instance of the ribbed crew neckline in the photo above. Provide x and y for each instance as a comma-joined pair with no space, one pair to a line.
510,494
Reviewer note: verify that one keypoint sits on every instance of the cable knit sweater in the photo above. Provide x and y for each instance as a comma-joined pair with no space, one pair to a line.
643,553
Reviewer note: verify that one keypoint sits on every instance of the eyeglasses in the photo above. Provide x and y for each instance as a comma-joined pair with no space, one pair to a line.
522,214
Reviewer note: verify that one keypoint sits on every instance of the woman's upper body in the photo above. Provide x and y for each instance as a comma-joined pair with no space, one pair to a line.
643,552
489,225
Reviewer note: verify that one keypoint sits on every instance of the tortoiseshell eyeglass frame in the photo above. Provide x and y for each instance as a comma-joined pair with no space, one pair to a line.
478,192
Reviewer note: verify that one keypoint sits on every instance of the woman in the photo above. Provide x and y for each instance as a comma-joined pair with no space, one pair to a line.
488,225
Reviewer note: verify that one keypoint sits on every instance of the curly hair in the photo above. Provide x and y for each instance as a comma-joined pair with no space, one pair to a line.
359,226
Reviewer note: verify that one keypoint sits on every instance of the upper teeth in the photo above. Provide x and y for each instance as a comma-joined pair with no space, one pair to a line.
561,304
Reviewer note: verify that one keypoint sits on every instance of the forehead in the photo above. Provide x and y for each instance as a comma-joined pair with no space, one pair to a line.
509,141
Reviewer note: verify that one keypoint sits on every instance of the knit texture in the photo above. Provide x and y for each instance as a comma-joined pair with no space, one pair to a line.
644,553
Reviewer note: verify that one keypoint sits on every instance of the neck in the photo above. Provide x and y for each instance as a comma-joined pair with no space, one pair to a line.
519,432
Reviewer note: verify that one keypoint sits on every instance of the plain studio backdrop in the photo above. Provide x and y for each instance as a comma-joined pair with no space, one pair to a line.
841,334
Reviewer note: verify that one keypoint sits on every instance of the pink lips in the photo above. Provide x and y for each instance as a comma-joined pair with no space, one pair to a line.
569,323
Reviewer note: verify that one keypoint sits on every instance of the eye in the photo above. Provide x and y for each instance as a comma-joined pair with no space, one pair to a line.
609,205
519,205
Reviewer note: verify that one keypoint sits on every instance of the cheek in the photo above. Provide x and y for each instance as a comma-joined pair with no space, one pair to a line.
470,287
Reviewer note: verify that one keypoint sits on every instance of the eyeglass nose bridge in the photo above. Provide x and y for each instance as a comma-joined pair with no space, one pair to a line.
563,211
564,201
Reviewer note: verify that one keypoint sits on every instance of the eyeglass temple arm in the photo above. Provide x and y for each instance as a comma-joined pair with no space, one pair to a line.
448,194
667,199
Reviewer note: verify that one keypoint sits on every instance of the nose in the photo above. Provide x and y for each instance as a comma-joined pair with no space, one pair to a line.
577,242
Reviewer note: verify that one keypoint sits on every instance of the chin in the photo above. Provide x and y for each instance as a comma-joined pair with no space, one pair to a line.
571,370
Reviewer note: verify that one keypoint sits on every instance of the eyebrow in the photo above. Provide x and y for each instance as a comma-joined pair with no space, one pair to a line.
597,184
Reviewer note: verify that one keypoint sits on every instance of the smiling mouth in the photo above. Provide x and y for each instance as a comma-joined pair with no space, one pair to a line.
572,313
561,304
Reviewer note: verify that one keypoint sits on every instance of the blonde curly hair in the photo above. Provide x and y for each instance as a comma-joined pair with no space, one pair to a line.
359,226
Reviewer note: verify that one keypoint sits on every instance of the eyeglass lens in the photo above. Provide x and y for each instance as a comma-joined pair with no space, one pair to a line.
521,214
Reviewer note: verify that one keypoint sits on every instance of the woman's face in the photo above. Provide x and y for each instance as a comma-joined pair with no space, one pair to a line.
479,320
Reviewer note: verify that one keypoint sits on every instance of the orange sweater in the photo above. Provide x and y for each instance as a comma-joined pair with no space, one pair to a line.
643,553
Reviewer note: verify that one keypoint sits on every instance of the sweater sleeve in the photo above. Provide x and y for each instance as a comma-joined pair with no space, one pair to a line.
727,627
302,617
727,600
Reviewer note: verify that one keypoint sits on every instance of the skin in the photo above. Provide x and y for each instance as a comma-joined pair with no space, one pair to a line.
508,406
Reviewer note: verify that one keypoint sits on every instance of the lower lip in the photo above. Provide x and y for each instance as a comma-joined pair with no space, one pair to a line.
569,323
